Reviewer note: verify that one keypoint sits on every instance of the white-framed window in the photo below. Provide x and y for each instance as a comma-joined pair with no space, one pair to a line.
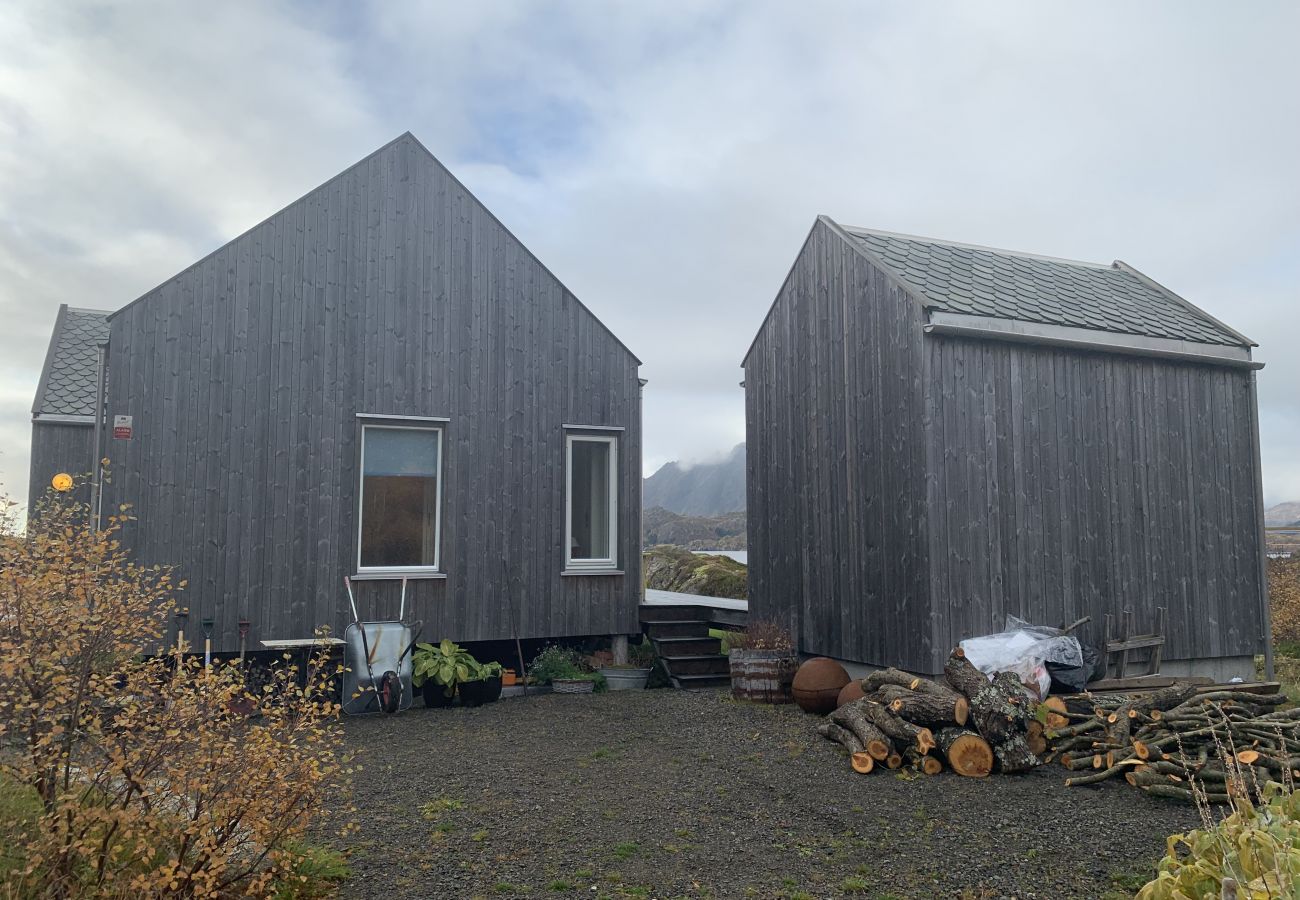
399,522
590,503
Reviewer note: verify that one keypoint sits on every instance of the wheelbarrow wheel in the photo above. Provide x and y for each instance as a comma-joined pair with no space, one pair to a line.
390,692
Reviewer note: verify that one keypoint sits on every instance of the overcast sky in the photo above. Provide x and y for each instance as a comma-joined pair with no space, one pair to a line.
666,160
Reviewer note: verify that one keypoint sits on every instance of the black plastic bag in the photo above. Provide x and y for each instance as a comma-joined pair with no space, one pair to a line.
1068,679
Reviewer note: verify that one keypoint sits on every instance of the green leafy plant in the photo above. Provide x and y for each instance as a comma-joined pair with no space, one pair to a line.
446,663
482,671
556,662
1257,846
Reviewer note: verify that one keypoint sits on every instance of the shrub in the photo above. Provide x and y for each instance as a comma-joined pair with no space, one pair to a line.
1284,599
148,778
763,634
554,661
1258,846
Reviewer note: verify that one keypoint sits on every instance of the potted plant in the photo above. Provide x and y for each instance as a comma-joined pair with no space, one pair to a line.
633,674
437,668
564,670
763,663
483,685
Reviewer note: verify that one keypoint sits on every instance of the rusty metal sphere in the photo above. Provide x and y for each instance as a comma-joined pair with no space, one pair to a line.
817,684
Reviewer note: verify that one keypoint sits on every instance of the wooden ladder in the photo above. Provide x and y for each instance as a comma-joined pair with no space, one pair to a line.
1121,646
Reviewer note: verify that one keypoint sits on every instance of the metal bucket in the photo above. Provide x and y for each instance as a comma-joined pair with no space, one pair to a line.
763,676
626,679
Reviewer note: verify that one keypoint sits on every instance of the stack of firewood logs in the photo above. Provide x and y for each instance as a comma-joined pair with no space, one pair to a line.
1176,741
1181,742
969,722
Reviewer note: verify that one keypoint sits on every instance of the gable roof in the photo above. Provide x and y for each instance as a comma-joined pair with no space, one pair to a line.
404,138
1005,284
67,386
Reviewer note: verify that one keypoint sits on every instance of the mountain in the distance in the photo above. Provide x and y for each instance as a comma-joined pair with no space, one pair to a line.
704,489
1283,514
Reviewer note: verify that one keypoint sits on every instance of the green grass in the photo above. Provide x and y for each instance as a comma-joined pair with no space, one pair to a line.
627,850
725,636
1126,882
854,884
559,886
315,872
436,807
505,887
20,808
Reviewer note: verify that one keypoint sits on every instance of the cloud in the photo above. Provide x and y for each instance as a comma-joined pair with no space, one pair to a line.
668,166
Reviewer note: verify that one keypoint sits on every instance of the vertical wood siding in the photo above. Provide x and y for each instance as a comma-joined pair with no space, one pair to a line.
1065,484
906,491
60,447
835,461
389,290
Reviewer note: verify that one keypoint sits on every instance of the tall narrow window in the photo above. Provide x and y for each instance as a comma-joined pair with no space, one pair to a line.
591,510
400,491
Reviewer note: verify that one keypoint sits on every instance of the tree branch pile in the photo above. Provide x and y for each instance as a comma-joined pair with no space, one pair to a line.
967,723
1175,743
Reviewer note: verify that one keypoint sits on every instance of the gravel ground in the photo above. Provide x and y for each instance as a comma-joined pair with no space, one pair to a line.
669,793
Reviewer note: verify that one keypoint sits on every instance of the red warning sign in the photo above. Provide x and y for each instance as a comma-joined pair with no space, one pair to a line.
122,428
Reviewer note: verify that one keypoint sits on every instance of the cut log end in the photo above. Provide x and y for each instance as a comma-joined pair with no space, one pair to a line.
894,760
1247,757
931,766
961,710
879,750
967,753
1141,750
925,740
862,762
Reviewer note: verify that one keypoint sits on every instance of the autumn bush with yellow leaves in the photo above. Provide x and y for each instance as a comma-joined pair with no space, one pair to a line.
153,775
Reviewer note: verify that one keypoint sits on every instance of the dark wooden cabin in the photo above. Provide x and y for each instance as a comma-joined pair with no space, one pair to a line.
940,435
378,381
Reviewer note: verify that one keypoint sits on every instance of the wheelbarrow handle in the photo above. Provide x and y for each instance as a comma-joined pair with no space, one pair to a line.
418,627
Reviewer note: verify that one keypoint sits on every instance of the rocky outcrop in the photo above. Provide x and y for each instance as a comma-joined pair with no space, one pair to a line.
674,569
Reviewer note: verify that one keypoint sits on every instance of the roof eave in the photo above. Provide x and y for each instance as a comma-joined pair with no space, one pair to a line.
41,385
835,228
1186,304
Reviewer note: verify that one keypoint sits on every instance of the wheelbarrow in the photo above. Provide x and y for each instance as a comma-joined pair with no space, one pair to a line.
377,661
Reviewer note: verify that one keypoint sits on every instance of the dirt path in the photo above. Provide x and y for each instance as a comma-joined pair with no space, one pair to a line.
666,794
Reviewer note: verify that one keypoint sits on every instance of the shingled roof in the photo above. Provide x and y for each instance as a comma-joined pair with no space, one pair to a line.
67,385
981,281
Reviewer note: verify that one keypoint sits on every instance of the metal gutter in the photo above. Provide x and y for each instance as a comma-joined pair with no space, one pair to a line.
1262,537
60,419
987,328
97,485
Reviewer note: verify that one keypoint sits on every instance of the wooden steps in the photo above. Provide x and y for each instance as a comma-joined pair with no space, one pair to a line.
690,656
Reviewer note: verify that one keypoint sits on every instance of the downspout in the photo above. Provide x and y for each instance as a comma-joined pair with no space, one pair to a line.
97,468
1259,524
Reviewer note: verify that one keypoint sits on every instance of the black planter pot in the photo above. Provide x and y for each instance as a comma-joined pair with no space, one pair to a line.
435,695
476,693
